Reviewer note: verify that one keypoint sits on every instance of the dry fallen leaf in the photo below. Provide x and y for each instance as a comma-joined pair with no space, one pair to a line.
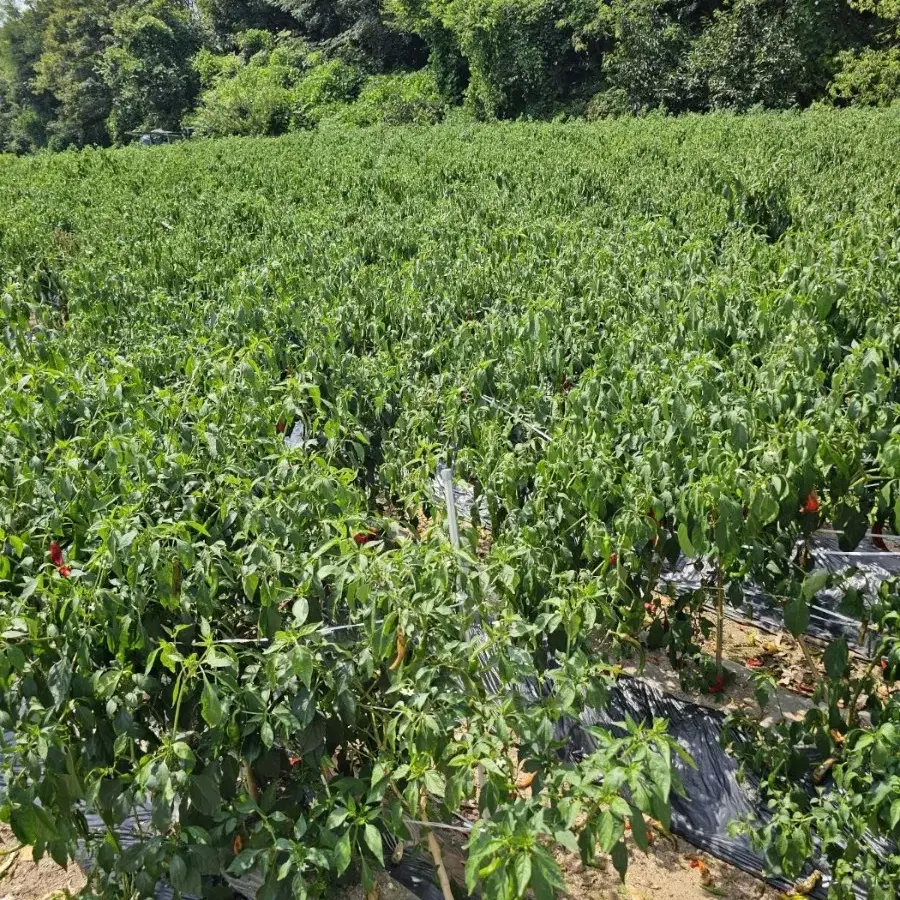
808,884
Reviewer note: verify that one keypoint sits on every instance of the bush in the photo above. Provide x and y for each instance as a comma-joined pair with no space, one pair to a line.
328,87
608,103
869,78
257,100
256,96
410,98
643,69
214,67
768,53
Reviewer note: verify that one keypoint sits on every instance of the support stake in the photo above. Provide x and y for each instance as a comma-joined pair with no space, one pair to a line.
720,623
436,856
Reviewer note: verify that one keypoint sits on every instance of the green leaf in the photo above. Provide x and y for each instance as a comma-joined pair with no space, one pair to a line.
836,657
435,783
302,664
59,678
266,734
546,878
184,752
300,611
210,706
250,582
373,842
796,617
522,869
568,840
204,794
684,540
619,856
609,830
639,829
342,854
177,872
814,583
895,814
243,862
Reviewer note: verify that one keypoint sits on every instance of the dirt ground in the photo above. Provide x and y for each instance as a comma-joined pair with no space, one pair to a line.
23,879
670,870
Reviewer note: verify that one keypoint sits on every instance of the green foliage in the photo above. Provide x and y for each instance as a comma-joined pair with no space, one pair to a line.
356,31
333,81
74,36
404,99
646,59
704,341
252,93
75,72
767,53
854,770
509,48
870,77
147,68
257,100
212,67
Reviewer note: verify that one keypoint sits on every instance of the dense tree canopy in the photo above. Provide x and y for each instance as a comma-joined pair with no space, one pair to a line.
79,72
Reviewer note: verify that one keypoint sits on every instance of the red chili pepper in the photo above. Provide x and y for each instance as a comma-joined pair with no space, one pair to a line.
651,608
812,502
56,555
294,761
364,537
754,663
65,571
613,558
717,686
279,427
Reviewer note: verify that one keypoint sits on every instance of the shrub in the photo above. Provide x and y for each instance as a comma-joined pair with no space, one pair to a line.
608,103
328,87
213,67
257,100
868,78
409,98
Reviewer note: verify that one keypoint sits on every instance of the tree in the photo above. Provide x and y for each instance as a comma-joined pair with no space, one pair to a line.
645,62
223,19
512,48
76,34
24,110
356,30
770,53
147,70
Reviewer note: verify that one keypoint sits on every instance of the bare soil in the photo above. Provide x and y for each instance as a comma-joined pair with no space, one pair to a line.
21,878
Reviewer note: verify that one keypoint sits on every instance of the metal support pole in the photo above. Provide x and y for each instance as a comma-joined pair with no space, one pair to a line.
450,500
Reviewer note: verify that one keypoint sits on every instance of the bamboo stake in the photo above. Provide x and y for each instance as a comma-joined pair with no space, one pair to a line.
250,783
435,849
720,622
810,662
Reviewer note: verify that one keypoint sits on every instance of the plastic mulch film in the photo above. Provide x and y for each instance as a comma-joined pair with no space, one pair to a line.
870,563
714,797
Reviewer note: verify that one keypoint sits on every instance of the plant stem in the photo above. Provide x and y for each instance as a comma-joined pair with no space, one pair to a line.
720,620
435,849
852,715
179,686
250,782
810,662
